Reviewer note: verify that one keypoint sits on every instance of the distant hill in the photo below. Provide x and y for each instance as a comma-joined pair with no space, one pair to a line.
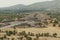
47,5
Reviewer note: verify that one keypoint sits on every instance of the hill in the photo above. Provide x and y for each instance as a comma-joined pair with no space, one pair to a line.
47,5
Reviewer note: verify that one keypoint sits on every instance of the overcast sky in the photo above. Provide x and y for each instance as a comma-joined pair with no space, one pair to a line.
6,3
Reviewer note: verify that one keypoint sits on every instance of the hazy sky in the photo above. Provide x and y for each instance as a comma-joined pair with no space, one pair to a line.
6,3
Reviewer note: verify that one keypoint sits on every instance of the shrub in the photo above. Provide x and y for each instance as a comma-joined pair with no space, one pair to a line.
29,38
37,36
22,33
5,36
54,24
1,38
55,35
32,34
46,34
25,35
12,39
59,25
14,32
41,34
21,38
28,33
8,33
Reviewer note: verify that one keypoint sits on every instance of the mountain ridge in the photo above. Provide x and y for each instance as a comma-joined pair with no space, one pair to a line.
50,5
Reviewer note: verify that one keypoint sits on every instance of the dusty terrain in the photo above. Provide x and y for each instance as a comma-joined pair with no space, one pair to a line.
50,30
